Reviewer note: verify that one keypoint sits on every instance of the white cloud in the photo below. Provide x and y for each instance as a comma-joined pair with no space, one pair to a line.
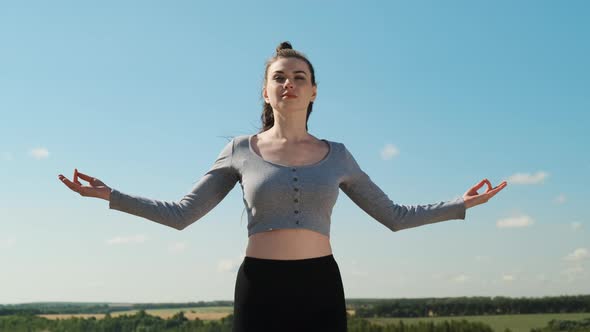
127,239
541,277
527,178
573,273
460,278
230,265
576,225
177,247
514,222
481,258
560,199
7,156
39,153
389,151
508,278
7,243
578,255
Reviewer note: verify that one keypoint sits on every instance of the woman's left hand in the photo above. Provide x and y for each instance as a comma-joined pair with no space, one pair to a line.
472,198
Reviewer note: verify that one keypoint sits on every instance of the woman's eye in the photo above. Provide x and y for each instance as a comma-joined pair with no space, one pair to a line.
281,78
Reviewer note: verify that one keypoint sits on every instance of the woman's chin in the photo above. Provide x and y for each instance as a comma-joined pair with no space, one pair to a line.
286,108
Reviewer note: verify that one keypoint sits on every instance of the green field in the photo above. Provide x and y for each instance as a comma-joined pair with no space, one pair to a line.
516,323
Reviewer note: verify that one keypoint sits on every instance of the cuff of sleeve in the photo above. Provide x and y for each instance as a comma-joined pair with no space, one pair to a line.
114,201
461,208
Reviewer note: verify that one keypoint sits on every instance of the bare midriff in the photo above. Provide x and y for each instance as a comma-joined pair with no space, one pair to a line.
288,244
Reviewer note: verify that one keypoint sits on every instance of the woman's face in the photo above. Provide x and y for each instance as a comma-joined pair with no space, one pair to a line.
288,85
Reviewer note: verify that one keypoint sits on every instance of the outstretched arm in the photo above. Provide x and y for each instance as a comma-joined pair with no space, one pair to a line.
204,196
368,196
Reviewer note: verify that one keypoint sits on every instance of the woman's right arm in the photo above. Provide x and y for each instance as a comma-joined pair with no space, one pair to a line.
204,196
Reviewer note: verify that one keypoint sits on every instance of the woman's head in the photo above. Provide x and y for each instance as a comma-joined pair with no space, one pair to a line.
288,72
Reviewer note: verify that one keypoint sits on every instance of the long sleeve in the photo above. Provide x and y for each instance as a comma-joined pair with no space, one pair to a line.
204,196
368,196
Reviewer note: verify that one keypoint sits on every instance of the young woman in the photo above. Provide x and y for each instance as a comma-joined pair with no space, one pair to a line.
289,279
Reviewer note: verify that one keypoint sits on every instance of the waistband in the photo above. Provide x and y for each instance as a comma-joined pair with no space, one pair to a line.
290,262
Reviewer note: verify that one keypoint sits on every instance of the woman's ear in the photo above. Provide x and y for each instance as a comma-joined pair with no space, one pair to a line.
265,95
315,93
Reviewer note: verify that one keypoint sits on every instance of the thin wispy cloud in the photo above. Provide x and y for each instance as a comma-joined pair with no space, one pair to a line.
389,151
576,225
573,273
527,178
7,156
508,278
541,277
461,278
560,199
7,243
577,255
127,239
230,265
515,222
177,247
39,153
481,258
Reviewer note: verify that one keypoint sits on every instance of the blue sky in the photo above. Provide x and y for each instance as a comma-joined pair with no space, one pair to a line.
430,98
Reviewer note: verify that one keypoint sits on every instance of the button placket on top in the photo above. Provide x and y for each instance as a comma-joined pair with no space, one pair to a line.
296,196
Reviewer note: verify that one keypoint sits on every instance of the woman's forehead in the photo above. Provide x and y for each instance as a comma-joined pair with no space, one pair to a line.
288,64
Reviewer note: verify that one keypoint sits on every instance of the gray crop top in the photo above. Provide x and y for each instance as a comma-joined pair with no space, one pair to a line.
279,196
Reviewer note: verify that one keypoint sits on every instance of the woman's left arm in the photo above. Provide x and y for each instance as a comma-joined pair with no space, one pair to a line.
369,197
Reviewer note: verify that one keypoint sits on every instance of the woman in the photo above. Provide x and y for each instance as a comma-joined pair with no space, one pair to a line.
289,279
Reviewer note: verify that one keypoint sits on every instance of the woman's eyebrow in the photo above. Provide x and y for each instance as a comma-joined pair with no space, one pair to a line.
296,72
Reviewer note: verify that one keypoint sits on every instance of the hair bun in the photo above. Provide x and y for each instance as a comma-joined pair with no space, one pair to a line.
284,45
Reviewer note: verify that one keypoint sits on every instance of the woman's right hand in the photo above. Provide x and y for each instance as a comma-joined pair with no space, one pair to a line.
96,189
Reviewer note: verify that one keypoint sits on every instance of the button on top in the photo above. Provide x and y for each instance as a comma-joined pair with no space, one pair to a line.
296,211
294,179
293,169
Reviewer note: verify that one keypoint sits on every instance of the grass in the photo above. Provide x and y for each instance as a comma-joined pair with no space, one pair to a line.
516,323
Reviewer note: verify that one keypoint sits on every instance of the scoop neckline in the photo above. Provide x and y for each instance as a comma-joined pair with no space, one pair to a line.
326,157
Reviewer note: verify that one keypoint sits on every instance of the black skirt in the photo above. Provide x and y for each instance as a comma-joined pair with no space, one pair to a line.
289,295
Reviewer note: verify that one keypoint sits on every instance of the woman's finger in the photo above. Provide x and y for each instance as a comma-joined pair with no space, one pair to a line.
85,177
493,192
76,177
474,189
499,187
92,180
74,186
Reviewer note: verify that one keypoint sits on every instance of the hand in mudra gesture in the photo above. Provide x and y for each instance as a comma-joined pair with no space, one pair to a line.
96,188
472,198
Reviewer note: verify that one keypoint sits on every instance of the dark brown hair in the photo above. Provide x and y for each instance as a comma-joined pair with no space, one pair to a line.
284,50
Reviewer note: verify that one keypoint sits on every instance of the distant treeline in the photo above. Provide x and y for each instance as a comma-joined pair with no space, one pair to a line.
469,306
142,321
53,308
565,325
423,307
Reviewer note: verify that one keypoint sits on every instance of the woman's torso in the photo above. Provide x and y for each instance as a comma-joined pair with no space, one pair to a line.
289,244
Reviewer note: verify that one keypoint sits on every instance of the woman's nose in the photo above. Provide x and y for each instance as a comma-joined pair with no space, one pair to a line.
288,83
